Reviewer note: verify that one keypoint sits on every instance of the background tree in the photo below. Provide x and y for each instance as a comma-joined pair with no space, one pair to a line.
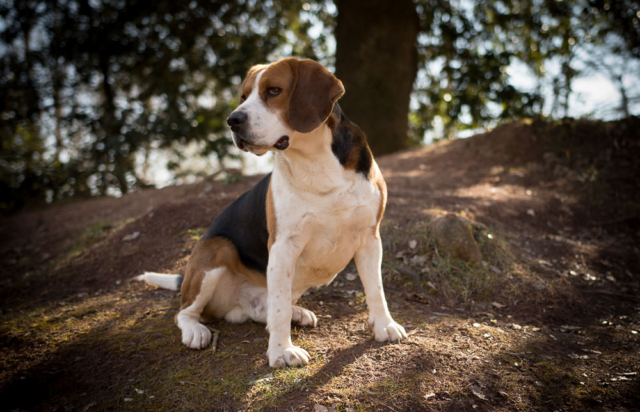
377,61
109,78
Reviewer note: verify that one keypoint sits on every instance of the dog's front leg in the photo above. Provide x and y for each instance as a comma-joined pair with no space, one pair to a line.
368,261
280,273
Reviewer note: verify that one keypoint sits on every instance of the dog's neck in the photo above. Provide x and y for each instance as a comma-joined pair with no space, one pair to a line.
309,163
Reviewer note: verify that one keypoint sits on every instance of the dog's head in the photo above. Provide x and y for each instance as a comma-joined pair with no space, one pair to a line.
280,99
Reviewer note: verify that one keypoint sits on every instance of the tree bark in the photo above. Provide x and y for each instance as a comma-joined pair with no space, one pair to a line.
377,61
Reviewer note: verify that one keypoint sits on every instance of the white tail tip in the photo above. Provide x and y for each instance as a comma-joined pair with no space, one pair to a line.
161,280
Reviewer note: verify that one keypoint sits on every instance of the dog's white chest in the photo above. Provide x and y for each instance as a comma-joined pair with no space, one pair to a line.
332,227
334,238
336,234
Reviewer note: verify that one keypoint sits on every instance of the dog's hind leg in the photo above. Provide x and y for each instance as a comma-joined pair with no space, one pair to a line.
252,304
194,334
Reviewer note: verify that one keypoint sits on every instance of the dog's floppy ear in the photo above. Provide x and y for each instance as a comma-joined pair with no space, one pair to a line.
315,92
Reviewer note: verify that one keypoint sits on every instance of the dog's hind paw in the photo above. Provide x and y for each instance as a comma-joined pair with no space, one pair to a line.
303,317
291,356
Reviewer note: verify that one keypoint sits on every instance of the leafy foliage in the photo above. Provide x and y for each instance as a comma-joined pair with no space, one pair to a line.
108,79
466,48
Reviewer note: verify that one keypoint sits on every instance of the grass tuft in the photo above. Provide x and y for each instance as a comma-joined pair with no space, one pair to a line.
443,276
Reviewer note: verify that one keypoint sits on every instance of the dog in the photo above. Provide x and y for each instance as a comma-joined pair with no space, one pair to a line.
299,226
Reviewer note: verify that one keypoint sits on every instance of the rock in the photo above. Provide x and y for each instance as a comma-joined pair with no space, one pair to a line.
478,392
89,406
455,237
131,237
268,377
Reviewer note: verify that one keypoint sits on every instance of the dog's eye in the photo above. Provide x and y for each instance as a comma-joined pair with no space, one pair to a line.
274,91
243,98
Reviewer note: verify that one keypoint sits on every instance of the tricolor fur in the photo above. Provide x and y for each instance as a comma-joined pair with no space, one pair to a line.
300,225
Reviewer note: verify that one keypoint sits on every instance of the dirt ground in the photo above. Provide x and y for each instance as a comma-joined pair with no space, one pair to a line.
549,321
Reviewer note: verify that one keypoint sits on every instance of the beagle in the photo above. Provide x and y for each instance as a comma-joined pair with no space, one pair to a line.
299,226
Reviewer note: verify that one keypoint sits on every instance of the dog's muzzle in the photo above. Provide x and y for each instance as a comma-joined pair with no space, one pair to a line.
236,120
282,143
240,143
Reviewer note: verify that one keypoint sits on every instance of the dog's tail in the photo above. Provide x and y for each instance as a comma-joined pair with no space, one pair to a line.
171,282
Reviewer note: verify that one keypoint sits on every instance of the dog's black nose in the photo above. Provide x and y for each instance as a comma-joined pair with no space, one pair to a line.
236,119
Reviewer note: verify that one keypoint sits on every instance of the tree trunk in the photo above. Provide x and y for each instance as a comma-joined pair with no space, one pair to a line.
57,83
624,101
377,61
112,130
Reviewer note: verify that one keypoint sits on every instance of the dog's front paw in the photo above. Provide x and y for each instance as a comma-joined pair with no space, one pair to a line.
303,316
196,336
388,331
291,356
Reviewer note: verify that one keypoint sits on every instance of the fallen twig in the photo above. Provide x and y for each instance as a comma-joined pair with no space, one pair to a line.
214,344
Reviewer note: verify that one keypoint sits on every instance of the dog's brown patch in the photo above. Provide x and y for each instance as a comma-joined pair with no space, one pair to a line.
282,75
309,92
271,218
209,254
382,187
315,93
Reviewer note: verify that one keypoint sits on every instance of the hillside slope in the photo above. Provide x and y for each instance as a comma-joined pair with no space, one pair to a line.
550,319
